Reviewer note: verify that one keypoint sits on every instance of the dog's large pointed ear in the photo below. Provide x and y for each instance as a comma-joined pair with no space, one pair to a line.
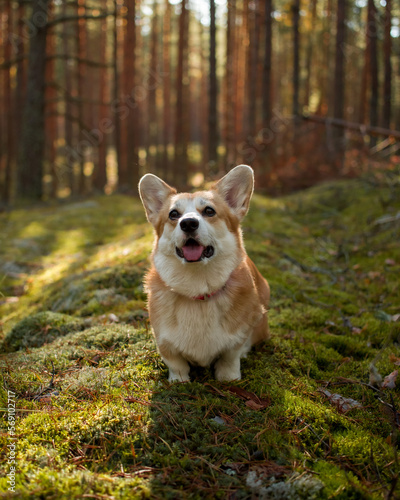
153,193
236,187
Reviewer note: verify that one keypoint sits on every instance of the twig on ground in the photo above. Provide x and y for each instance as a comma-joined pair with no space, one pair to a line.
49,387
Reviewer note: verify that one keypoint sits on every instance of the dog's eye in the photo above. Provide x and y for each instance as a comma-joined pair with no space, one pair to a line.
174,214
210,212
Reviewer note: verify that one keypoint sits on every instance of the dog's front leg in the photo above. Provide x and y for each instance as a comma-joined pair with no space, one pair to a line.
177,364
227,367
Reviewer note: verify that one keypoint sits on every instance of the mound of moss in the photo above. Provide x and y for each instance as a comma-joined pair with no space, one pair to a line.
39,329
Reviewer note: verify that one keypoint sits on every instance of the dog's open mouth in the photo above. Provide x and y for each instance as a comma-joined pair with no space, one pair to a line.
192,251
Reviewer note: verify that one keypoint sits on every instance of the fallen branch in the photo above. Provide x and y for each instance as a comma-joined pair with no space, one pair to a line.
49,387
360,127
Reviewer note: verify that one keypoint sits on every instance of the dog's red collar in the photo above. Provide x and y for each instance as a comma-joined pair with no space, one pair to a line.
207,295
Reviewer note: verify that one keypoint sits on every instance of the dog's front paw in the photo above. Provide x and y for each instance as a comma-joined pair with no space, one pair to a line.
178,377
227,371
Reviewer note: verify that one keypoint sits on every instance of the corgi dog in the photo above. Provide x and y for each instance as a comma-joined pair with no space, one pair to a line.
207,301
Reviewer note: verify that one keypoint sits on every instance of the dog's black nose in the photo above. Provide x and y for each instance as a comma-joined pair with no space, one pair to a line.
189,225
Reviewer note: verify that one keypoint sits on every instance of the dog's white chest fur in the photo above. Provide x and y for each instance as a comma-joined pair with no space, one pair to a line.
195,330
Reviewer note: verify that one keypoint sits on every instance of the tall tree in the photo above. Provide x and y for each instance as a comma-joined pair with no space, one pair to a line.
387,52
267,89
166,86
100,173
296,57
8,110
309,53
51,109
30,163
267,66
20,89
339,78
373,66
116,105
230,91
241,44
213,92
66,173
128,162
181,126
152,143
81,50
254,43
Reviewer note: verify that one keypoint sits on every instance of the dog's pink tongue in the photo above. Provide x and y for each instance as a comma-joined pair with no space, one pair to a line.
192,252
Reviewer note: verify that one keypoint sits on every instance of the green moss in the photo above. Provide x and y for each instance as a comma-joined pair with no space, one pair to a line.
96,415
39,329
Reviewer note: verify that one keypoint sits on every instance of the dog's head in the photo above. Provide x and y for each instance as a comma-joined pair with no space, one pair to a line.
199,230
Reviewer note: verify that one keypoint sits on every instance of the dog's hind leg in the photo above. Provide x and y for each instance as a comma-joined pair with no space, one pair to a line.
227,367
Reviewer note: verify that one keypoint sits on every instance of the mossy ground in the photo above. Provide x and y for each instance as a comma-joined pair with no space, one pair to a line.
96,415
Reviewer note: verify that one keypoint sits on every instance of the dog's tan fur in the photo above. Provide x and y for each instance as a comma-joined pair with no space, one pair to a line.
222,328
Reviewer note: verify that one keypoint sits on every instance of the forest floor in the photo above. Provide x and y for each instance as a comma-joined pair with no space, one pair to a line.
317,413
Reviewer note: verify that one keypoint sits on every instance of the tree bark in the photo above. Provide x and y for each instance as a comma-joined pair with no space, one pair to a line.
373,36
296,58
152,143
100,173
65,173
387,52
166,88
339,81
116,105
81,48
309,54
230,89
213,92
181,132
51,110
30,164
9,112
267,67
254,34
127,117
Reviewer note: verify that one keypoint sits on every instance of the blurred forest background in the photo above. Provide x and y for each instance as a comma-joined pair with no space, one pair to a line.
95,93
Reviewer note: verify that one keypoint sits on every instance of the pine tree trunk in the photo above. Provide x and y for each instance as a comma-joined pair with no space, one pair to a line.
254,33
65,173
213,91
296,58
204,99
309,54
266,154
362,112
181,103
230,89
241,43
129,168
30,164
387,52
339,82
81,82
167,125
100,173
51,111
9,112
121,166
267,67
152,144
373,110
